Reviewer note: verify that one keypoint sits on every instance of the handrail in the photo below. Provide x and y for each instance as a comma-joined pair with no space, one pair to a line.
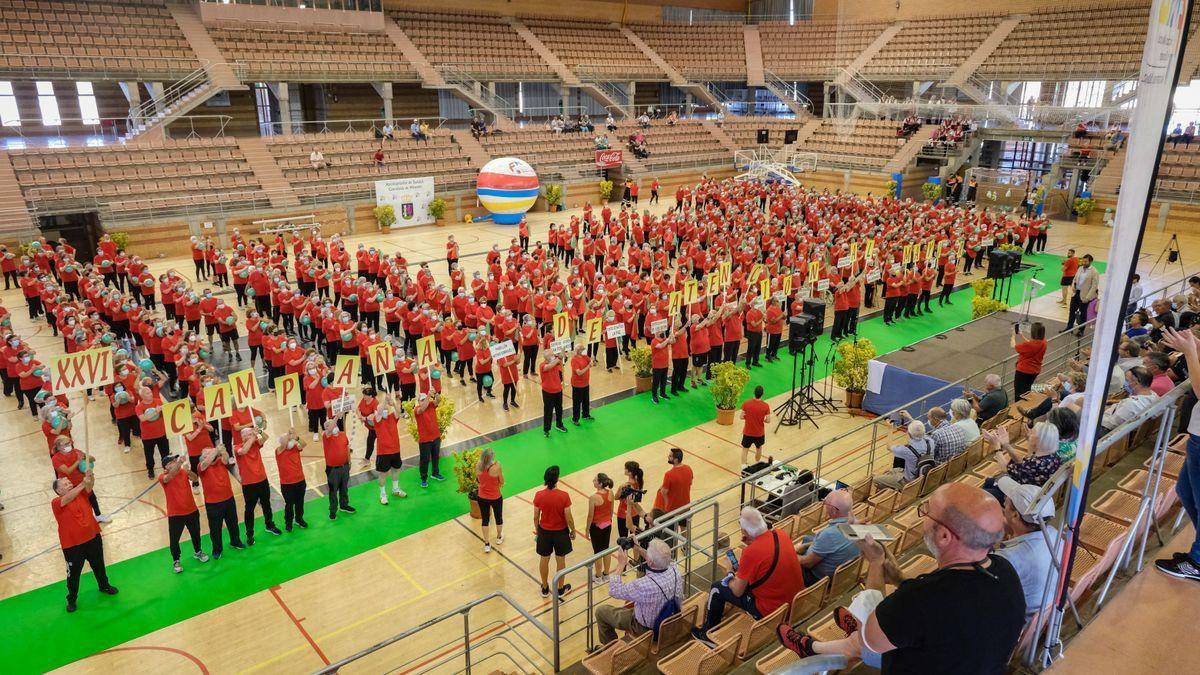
463,611
40,69
787,88
94,131
141,116
350,125
456,77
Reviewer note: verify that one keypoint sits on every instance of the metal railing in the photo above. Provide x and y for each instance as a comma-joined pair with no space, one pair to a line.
298,66
59,67
1023,116
399,128
786,91
103,130
158,107
612,91
464,81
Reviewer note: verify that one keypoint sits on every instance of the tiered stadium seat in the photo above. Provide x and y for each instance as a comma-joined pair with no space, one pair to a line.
541,147
933,46
349,156
148,176
702,52
483,45
867,144
685,144
110,40
1179,170
744,130
594,49
814,50
1096,41
272,53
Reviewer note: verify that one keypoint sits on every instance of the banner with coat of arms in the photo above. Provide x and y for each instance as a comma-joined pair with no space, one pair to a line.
410,198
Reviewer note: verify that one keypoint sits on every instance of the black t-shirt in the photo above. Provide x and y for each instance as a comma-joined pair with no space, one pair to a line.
956,621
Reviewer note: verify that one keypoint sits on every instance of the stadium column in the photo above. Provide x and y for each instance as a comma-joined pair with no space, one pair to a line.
285,106
156,94
133,94
384,89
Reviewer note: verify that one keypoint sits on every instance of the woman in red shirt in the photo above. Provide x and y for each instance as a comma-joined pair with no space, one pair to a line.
1030,353
552,409
491,503
600,515
483,369
181,510
291,479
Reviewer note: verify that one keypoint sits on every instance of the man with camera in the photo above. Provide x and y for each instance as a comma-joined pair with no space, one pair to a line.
767,576
655,596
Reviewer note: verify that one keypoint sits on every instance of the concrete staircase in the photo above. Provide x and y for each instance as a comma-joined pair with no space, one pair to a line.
909,150
560,69
807,130
15,220
754,60
723,138
474,149
698,90
267,172
1109,180
786,93
432,77
853,68
984,50
220,73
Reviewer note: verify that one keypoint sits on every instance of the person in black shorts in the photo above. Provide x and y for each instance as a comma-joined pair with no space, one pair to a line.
600,517
553,527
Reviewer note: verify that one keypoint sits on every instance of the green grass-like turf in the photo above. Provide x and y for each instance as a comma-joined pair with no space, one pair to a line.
152,597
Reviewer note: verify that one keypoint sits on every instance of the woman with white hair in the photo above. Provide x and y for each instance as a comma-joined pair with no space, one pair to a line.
1032,468
908,458
962,416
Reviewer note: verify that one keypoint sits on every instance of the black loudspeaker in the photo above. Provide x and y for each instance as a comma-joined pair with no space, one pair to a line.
764,136
1003,264
790,136
800,332
817,309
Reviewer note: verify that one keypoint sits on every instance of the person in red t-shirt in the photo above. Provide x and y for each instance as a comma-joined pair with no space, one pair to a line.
181,509
1030,352
767,576
660,360
218,500
676,490
386,420
79,535
291,478
949,274
581,373
429,436
256,490
550,371
775,321
336,447
756,412
553,528
153,433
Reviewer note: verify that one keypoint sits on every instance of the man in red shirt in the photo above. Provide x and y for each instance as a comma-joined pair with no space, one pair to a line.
774,321
660,360
218,500
181,509
554,528
387,444
336,447
581,373
676,490
756,412
256,491
79,535
291,478
767,576
429,436
755,320
552,409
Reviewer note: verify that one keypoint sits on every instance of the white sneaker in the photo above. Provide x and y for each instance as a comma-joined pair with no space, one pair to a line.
125,449
398,492
487,548
102,518
499,540
316,437
383,498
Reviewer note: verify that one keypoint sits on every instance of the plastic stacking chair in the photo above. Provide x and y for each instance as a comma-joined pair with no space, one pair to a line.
696,658
750,635
619,656
808,601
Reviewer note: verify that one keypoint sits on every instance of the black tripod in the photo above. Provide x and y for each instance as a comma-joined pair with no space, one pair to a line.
805,400
1169,256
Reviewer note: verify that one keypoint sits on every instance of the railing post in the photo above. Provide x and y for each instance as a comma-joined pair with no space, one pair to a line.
716,540
871,454
591,603
467,639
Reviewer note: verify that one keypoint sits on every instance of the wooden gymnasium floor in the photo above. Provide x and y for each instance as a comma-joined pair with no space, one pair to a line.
294,603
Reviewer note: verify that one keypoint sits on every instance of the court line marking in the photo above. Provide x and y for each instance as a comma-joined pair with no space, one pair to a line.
408,577
497,551
172,650
274,591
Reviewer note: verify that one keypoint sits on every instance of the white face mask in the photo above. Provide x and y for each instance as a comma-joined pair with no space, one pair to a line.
66,448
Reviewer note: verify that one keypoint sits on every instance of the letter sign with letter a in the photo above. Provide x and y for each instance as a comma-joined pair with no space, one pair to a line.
346,371
177,417
426,352
673,301
244,387
381,356
218,403
287,391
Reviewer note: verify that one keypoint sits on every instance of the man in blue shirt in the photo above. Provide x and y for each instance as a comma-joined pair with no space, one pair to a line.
820,556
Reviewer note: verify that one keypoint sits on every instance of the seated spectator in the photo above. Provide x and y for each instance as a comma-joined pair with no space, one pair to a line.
1189,132
601,142
965,617
649,594
909,458
1081,130
1032,468
720,118
1137,325
1025,547
1163,317
1066,420
643,121
1175,135
585,124
767,576
425,129
378,158
416,130
961,415
387,131
994,399
1129,355
1159,366
672,118
317,160
821,554
557,125
610,123
948,439
641,151
1141,396
1063,389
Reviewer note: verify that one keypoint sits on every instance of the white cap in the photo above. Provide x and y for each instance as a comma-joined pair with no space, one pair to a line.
1022,497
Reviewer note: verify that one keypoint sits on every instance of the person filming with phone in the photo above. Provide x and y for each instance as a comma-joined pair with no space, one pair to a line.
656,596
766,577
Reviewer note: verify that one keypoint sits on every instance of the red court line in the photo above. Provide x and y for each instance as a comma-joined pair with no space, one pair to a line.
476,431
172,650
705,459
313,643
720,438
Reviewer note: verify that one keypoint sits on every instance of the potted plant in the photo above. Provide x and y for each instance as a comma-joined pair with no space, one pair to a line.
931,191
1083,207
468,480
891,188
606,189
642,369
982,302
554,195
445,416
121,239
385,216
850,369
437,209
729,379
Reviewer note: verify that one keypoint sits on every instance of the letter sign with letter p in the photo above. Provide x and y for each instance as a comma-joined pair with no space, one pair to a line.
287,391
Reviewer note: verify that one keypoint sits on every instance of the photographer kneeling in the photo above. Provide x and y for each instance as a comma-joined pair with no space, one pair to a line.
655,596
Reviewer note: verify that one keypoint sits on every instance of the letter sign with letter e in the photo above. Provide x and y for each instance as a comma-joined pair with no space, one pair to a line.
593,330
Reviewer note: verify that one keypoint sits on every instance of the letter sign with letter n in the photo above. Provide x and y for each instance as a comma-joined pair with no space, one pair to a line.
381,356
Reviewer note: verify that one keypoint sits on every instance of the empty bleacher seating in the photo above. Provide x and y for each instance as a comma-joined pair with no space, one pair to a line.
701,52
541,147
139,40
930,47
864,144
1179,170
688,143
1096,41
814,50
483,45
744,130
276,53
594,49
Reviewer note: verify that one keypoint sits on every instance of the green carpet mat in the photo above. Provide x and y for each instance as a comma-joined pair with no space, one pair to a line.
152,597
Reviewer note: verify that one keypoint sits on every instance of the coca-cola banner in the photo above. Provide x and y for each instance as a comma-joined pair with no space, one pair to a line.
607,159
